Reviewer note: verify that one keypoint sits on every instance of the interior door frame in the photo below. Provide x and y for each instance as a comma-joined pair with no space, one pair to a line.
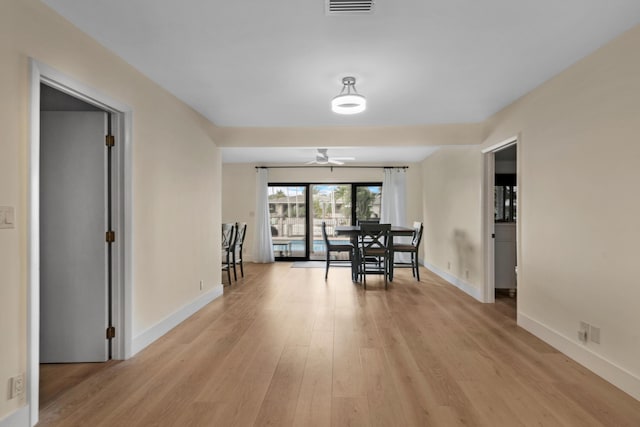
488,227
121,116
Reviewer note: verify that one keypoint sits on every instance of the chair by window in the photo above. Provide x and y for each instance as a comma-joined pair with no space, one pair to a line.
374,250
236,254
411,248
228,240
335,248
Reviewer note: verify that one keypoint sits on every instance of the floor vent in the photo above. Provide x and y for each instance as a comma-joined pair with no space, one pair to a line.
349,7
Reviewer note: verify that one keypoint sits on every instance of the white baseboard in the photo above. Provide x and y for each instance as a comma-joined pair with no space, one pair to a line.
455,281
165,325
18,418
621,378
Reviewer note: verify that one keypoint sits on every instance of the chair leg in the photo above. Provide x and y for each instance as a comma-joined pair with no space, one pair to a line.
235,275
228,270
413,266
363,267
326,269
417,267
241,267
386,272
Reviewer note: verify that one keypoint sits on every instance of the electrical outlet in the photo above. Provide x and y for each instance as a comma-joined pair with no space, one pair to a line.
201,284
449,265
583,333
7,217
594,334
466,274
17,387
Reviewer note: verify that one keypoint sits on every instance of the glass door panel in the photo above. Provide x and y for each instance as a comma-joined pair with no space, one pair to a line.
332,203
288,218
367,201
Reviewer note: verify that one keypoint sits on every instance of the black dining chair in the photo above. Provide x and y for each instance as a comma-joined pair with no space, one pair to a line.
374,251
228,238
334,248
411,248
238,243
368,221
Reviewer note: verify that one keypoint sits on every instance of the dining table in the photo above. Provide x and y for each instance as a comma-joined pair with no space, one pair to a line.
353,231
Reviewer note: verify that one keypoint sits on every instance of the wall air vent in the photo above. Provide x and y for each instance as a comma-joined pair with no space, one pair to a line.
349,7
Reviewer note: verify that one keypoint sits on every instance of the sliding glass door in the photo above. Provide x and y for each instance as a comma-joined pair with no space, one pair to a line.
288,218
332,203
297,211
367,199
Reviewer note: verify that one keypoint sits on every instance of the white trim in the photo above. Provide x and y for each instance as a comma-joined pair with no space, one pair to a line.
616,375
174,319
123,274
500,145
18,418
488,228
465,287
33,249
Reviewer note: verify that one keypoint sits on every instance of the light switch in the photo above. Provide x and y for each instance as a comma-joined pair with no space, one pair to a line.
7,217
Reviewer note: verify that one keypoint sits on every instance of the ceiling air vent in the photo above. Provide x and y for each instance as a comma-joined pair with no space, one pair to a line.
349,7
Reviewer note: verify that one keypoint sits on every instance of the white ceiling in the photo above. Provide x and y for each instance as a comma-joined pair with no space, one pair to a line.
278,63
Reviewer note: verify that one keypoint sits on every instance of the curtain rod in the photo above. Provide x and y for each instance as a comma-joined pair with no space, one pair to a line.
332,167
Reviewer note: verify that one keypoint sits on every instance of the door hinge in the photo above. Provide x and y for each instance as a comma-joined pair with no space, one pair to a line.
111,236
493,235
111,332
110,140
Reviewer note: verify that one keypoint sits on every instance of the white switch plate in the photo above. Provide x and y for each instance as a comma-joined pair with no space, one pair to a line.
7,217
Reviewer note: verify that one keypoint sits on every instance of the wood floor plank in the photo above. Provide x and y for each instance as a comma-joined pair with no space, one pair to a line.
385,409
284,347
314,401
350,412
279,405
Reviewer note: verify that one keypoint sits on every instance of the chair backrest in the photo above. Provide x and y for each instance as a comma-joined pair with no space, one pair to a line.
418,227
241,231
228,232
368,221
324,234
374,236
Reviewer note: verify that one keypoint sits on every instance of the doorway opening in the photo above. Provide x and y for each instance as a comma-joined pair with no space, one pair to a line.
505,197
502,225
76,265
79,230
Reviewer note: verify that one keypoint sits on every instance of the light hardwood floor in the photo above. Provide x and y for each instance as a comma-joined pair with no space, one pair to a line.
282,347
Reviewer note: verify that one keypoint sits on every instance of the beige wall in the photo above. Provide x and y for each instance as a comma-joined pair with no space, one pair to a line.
239,189
580,208
452,185
176,177
348,136
579,205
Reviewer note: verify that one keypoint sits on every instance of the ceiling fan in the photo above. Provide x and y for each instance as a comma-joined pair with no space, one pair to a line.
322,158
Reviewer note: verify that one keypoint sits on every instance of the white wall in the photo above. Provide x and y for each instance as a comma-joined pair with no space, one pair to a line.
239,189
176,177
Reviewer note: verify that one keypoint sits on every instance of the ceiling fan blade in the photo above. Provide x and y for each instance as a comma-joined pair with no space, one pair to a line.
333,161
343,158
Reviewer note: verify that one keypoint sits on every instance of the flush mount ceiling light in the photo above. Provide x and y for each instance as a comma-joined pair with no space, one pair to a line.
349,101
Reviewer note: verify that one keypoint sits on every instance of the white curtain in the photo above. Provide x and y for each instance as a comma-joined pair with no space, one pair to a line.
393,209
263,248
